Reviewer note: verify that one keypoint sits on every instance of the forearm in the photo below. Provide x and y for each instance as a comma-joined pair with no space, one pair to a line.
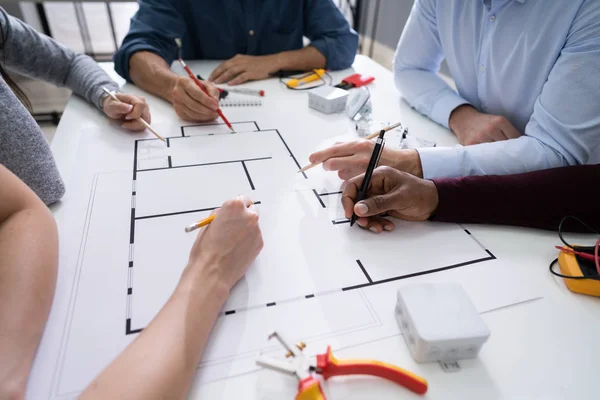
151,73
28,267
515,156
87,79
537,199
304,59
427,93
162,361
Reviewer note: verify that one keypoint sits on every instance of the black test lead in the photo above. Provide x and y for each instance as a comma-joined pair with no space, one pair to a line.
377,151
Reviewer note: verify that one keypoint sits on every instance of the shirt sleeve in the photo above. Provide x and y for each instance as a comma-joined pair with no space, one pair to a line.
32,54
330,33
564,128
418,58
153,28
532,199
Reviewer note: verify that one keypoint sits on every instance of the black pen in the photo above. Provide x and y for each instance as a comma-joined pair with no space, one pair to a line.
377,151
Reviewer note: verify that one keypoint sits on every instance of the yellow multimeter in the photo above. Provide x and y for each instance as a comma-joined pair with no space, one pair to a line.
574,270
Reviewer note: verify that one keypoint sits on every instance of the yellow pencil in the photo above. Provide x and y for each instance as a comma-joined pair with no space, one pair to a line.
200,224
205,221
147,125
371,136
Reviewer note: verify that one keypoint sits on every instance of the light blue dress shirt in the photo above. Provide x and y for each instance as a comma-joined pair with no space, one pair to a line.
535,62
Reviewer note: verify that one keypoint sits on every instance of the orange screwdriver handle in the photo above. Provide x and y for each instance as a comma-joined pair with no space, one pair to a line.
310,389
330,366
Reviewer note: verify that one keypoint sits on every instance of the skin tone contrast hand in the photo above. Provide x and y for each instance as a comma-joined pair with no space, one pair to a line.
391,192
472,127
129,110
162,361
352,158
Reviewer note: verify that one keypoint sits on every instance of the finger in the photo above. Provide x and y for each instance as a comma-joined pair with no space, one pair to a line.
246,201
346,174
135,126
354,162
116,109
229,74
241,78
138,110
374,205
213,91
337,150
510,131
219,70
349,195
146,114
376,224
188,114
196,99
496,135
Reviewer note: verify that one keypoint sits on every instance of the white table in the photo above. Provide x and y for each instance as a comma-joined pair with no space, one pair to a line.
542,349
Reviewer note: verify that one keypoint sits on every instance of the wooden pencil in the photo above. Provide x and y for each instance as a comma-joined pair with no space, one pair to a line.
147,125
371,136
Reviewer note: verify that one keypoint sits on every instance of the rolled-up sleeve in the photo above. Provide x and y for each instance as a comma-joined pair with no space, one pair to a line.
153,28
330,33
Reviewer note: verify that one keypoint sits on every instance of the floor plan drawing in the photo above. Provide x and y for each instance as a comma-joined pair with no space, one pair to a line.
313,265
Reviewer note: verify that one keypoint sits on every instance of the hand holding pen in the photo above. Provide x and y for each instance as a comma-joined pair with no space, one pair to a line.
379,144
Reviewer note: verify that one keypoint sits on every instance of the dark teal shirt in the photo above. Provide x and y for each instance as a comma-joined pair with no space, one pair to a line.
220,29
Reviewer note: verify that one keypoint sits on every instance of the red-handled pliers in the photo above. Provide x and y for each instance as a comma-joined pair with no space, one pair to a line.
309,387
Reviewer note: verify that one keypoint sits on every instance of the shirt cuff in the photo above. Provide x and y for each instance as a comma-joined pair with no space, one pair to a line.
444,106
441,162
99,94
321,45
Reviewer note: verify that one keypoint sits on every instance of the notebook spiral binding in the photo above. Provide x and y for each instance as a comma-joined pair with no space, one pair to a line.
249,102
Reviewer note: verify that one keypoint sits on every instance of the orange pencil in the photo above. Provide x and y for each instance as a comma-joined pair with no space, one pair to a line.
191,74
200,224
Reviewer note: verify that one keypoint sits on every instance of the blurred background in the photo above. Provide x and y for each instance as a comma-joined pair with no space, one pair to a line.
97,28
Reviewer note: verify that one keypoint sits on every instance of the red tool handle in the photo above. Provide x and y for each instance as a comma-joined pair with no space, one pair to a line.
310,389
201,86
329,366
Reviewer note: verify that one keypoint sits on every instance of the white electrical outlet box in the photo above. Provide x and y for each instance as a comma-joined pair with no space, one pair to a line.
439,322
328,99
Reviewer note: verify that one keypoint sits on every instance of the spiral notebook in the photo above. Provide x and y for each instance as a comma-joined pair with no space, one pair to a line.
240,102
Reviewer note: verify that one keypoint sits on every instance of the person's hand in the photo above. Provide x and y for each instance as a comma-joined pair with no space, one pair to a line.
472,127
352,158
392,192
226,248
129,109
191,103
243,68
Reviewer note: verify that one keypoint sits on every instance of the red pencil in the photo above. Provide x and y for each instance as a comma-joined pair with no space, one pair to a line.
191,74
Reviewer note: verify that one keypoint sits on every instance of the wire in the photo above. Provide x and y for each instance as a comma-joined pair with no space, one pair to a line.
594,278
560,233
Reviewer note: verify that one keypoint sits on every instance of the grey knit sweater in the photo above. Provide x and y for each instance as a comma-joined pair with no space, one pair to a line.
23,147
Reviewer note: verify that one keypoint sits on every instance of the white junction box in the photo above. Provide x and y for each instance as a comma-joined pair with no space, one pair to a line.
439,322
327,99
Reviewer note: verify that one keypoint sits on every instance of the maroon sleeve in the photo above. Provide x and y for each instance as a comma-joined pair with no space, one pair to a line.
537,199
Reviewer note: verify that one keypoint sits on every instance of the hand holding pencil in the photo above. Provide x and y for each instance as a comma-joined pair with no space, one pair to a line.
127,108
225,249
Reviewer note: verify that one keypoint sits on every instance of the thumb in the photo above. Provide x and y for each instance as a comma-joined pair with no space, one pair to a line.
115,109
373,206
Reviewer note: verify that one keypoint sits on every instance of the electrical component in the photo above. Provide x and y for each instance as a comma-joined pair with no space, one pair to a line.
327,99
439,322
579,265
355,81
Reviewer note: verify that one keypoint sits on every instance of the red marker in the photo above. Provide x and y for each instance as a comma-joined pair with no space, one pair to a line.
191,75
